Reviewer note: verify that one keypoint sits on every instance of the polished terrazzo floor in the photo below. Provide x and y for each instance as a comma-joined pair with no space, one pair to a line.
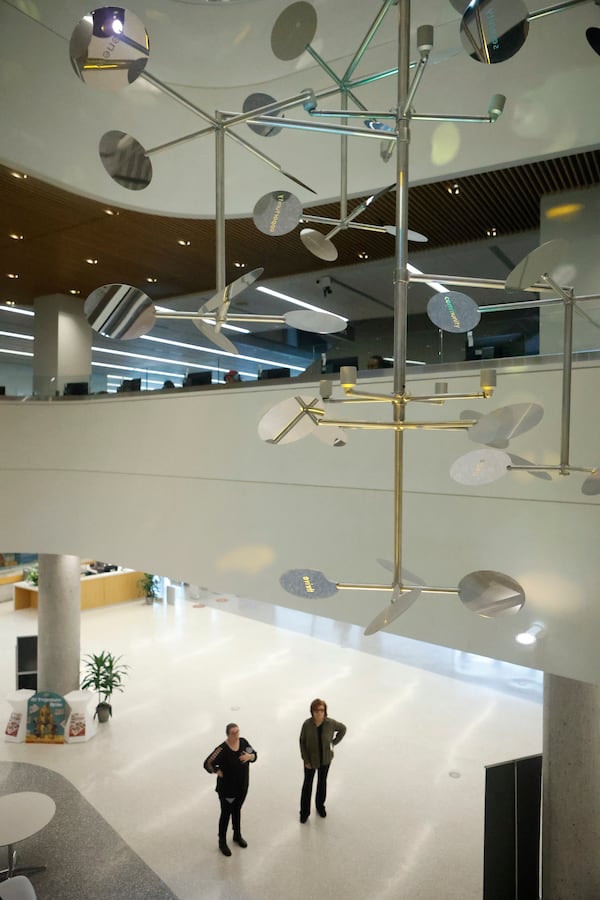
405,803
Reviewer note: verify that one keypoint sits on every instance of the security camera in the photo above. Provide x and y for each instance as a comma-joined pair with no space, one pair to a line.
325,283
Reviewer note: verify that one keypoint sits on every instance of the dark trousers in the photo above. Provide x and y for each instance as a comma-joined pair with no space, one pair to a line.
231,810
309,775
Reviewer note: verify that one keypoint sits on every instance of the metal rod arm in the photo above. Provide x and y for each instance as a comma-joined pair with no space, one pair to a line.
326,129
364,46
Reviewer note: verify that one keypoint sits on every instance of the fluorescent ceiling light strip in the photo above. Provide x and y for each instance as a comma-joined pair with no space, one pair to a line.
155,359
440,288
13,334
217,352
15,309
100,365
271,293
17,352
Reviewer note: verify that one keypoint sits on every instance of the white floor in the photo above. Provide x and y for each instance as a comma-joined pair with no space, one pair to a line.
406,788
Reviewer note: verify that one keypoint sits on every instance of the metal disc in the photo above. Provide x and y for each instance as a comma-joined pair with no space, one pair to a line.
316,322
392,612
256,101
459,5
318,244
491,594
505,423
293,30
120,311
411,235
593,39
453,311
376,125
480,467
109,48
288,413
307,583
223,298
537,473
215,337
492,31
277,213
125,160
591,485
407,575
333,437
539,262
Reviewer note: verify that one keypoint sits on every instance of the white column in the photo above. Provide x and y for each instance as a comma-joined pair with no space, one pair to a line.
571,790
62,345
59,589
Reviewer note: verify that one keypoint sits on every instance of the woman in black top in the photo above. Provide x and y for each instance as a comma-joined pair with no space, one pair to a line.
229,761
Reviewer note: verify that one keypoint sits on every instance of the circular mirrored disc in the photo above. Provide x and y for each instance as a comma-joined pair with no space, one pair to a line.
537,473
316,322
125,160
491,594
256,101
318,244
505,423
289,421
593,39
480,467
494,30
109,48
277,213
215,337
293,30
453,311
392,612
540,261
120,311
307,583
591,485
333,437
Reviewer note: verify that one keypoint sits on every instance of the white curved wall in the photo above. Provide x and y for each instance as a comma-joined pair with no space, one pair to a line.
182,485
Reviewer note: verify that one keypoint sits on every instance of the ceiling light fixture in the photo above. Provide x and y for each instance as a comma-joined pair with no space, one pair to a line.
152,280
16,237
453,189
11,275
184,243
74,291
92,262
239,265
20,312
530,637
10,302
111,212
18,175
14,334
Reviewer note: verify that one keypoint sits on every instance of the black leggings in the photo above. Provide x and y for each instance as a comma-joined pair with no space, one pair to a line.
231,809
309,775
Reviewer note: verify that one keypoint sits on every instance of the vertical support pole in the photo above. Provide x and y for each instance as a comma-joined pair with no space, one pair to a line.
344,163
565,424
221,279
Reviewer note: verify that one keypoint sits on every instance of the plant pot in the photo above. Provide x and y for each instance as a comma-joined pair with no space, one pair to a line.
104,712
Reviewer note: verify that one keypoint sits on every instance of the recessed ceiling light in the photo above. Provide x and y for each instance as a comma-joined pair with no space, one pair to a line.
363,254
92,262
491,232
240,265
151,279
10,302
74,291
183,243
454,189
16,237
111,212
18,175
530,637
11,275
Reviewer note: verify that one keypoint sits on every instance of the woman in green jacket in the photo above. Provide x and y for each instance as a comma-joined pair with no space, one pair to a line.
317,737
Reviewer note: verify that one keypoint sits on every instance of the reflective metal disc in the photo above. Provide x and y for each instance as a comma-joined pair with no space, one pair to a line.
537,473
222,299
407,575
540,261
277,213
491,594
393,611
480,467
453,311
318,244
120,311
459,5
333,437
505,423
591,485
494,30
593,39
412,235
125,160
293,30
316,322
215,337
288,421
109,48
307,583
256,101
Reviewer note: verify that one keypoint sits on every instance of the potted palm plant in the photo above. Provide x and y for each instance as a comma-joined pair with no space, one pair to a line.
104,674
149,584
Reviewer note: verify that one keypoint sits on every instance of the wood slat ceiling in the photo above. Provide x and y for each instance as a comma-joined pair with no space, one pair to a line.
61,230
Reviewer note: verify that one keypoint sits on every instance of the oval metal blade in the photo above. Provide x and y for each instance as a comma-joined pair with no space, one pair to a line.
215,337
491,594
288,414
411,235
120,311
591,485
505,423
293,30
392,612
223,298
540,261
307,583
125,160
482,466
333,437
537,473
315,322
318,244
407,575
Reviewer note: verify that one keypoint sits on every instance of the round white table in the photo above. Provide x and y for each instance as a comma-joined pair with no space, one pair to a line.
22,815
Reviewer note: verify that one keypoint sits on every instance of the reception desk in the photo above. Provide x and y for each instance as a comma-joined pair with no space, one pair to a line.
96,590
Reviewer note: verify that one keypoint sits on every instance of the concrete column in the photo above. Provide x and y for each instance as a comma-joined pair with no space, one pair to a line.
59,590
571,790
62,344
